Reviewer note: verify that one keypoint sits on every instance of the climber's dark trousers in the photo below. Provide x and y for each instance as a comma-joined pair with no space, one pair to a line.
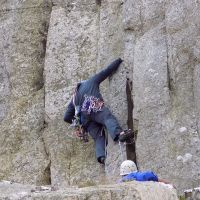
101,119
97,133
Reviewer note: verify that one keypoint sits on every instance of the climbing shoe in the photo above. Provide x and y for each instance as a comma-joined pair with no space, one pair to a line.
126,135
102,160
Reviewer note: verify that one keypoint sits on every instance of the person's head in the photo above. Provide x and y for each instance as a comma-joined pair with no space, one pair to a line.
127,167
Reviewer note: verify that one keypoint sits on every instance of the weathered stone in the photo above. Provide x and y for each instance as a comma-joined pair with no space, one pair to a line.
23,156
125,191
151,97
192,194
160,44
71,54
71,57
22,43
110,47
165,104
141,16
73,162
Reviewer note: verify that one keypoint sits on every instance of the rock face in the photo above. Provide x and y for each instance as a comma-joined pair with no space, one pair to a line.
125,191
71,51
46,47
22,152
192,194
165,89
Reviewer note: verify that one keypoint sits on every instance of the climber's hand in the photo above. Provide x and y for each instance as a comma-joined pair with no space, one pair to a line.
78,132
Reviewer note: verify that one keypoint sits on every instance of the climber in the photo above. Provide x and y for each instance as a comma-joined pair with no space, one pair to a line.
129,172
87,109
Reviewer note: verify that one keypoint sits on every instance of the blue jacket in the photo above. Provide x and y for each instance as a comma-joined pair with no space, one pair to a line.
140,176
90,87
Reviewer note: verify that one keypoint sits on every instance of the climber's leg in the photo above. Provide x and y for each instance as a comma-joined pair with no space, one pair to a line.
97,133
107,119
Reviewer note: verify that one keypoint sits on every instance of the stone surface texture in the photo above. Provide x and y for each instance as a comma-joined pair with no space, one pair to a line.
46,47
23,26
70,58
125,191
165,89
192,194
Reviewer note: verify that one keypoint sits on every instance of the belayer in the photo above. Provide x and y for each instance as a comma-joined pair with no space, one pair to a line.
129,172
88,113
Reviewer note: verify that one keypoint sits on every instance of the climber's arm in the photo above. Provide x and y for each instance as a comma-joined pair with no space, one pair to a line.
102,75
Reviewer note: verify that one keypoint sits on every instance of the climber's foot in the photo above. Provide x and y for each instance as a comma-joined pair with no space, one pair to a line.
126,135
102,160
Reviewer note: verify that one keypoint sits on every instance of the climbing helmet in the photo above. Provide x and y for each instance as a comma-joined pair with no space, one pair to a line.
127,167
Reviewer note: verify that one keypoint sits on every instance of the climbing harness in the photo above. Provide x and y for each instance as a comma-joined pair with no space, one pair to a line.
82,134
92,103
76,122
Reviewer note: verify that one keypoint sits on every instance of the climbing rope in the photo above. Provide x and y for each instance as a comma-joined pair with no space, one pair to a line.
123,144
121,150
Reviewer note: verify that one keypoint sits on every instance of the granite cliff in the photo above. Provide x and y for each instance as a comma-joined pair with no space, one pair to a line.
46,47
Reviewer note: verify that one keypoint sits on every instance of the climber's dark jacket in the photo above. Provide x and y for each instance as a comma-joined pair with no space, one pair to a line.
89,89
94,116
